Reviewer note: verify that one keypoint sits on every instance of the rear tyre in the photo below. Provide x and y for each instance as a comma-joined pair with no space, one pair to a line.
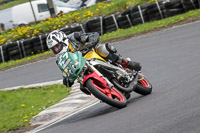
143,87
111,96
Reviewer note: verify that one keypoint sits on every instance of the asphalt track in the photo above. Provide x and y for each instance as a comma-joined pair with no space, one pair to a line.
171,61
38,72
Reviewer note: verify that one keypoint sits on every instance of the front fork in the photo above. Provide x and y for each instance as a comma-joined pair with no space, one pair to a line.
93,69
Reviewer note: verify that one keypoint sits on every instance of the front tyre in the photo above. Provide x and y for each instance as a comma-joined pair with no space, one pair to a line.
111,96
143,87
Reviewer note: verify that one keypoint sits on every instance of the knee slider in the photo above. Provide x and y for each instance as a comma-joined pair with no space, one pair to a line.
102,50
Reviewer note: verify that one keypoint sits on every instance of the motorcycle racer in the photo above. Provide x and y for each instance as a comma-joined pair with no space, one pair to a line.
58,42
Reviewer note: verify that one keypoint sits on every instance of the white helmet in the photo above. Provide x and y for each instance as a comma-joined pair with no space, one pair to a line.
57,42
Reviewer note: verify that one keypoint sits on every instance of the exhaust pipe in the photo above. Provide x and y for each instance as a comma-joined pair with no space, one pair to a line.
130,88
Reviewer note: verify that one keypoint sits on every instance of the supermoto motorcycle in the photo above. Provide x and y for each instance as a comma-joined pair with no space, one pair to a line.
107,81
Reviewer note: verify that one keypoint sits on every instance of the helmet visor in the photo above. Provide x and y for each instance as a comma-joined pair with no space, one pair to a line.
57,48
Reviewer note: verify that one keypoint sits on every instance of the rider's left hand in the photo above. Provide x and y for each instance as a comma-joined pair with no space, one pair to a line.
89,45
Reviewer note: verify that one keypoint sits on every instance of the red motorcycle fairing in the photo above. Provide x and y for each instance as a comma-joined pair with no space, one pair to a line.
94,75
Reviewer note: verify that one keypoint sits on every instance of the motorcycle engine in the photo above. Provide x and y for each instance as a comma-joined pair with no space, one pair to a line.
122,77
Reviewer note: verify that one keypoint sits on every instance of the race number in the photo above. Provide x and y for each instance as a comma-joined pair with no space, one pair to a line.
63,61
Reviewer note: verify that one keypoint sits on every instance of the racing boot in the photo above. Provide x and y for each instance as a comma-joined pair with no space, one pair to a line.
131,65
124,62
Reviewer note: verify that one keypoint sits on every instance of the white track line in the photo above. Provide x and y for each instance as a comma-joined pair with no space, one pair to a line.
40,128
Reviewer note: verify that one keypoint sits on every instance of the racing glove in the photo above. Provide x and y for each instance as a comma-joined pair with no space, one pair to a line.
87,47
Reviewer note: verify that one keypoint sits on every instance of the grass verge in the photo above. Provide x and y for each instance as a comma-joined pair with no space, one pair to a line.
121,34
19,106
188,17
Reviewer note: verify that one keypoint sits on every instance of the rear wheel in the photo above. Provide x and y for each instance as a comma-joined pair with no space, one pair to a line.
143,87
110,96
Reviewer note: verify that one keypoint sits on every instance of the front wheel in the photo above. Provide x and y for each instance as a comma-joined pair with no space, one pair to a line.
110,96
143,87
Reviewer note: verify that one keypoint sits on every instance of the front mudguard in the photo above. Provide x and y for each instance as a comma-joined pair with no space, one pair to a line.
95,76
